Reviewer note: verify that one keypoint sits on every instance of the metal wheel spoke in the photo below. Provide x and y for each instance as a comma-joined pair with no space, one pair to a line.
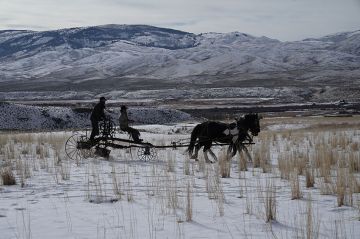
146,153
71,147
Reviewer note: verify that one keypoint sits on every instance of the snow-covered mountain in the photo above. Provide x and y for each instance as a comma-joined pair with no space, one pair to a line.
128,57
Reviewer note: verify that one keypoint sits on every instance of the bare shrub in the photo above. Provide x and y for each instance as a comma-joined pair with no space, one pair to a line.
290,161
312,222
309,177
23,170
249,201
214,188
202,164
354,161
242,164
325,187
224,164
65,169
7,176
301,164
270,202
187,166
295,186
189,203
10,150
129,190
256,157
170,162
116,183
356,186
340,231
220,196
284,167
172,196
211,183
358,208
351,180
355,146
265,164
325,169
340,187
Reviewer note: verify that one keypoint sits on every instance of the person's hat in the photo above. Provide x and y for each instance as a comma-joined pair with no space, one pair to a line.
123,107
102,98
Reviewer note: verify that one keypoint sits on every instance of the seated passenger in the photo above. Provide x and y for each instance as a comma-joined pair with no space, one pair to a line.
124,125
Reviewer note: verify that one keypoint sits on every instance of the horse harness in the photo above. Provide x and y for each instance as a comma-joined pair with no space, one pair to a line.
230,127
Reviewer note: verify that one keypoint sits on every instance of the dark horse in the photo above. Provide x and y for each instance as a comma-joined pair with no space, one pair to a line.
234,134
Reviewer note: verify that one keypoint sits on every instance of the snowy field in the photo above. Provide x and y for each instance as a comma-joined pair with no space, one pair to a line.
303,182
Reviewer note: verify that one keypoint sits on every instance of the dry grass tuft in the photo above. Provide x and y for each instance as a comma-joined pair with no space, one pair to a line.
224,164
7,176
310,177
312,224
270,202
242,164
295,186
187,166
324,155
340,187
189,203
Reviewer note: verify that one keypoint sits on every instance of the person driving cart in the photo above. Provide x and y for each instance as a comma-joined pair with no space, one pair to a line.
124,125
97,115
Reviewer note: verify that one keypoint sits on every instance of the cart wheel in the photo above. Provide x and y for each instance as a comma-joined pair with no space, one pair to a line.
146,153
77,147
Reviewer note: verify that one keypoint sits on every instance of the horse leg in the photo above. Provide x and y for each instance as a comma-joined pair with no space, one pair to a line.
247,154
234,149
242,147
213,155
206,157
229,153
207,148
195,155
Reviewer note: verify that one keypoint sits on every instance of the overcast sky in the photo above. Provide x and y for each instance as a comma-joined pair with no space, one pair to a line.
280,19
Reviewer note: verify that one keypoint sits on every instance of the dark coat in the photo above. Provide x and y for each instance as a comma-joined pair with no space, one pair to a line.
98,112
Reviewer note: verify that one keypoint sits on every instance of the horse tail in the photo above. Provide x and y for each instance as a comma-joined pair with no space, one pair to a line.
194,136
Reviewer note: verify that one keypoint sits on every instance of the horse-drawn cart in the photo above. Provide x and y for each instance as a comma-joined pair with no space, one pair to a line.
79,146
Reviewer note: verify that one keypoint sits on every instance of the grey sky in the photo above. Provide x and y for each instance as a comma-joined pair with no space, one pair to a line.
280,19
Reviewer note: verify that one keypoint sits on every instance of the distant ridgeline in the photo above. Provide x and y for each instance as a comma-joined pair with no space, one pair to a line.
24,117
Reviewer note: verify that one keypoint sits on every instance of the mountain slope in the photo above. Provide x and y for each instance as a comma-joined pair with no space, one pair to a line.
128,57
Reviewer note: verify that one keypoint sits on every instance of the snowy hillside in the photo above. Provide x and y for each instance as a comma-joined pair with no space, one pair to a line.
137,57
22,117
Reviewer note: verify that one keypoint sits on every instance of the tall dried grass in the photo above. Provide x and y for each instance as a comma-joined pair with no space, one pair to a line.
224,164
189,203
323,155
295,186
270,202
7,176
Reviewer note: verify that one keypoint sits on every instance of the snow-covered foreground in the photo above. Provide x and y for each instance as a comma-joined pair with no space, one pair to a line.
174,197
